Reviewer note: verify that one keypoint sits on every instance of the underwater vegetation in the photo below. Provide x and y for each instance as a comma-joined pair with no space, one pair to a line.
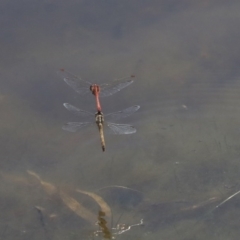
95,208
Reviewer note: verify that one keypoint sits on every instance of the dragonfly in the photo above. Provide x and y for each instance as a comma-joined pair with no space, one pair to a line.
104,90
100,122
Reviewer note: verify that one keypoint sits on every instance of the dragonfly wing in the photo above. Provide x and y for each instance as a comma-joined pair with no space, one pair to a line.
115,86
79,85
123,113
121,128
74,126
77,111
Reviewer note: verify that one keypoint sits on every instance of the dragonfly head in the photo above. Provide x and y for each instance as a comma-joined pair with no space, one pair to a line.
95,89
99,117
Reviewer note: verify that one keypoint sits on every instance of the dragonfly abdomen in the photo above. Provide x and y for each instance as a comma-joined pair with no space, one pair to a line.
99,121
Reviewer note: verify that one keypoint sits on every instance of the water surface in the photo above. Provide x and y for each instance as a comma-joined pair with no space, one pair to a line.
186,152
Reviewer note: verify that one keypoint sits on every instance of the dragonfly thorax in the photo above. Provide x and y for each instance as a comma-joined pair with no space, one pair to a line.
99,117
95,89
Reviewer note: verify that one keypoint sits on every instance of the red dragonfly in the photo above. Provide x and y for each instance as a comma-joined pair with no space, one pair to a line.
104,90
99,120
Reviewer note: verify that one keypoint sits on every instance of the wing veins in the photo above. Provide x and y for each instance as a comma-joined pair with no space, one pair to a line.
76,83
121,128
123,113
77,111
74,126
115,86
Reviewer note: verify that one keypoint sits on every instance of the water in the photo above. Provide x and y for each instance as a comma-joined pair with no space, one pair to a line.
184,159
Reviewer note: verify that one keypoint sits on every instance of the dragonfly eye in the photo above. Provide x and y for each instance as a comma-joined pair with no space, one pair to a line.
92,89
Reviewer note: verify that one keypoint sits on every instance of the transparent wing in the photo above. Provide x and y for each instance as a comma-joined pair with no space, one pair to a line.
115,86
123,113
74,126
78,112
121,128
79,85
